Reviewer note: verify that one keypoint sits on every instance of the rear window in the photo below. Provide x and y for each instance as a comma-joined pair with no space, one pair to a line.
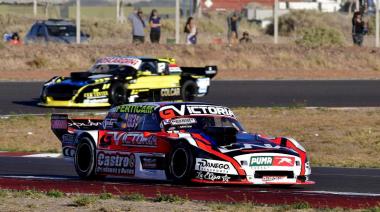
131,122
61,30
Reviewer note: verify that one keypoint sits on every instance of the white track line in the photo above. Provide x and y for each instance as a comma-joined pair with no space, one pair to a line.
43,155
342,193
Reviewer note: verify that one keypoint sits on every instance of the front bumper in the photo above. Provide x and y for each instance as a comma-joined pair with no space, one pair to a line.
246,182
255,169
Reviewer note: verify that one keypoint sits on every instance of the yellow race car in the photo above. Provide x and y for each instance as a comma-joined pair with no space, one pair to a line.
122,79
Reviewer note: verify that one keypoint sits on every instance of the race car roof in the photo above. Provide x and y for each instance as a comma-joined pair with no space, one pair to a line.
168,110
134,62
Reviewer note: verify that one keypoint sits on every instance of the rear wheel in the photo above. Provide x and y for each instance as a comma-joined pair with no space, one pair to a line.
118,94
84,160
181,162
188,90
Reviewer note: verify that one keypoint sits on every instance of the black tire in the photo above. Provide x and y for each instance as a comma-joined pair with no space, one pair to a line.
118,94
188,90
180,163
84,159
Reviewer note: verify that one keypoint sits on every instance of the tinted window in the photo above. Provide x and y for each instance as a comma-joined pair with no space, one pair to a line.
149,66
41,31
33,31
111,69
131,122
61,31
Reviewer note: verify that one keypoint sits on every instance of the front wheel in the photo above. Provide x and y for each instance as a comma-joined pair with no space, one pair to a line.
84,160
189,90
117,94
181,162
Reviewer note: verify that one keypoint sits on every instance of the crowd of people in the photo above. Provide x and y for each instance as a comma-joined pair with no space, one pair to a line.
139,24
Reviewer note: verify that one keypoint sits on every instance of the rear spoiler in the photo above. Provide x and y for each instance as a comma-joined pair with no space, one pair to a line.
61,124
209,71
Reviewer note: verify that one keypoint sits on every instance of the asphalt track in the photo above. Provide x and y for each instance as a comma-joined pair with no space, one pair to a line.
340,187
22,97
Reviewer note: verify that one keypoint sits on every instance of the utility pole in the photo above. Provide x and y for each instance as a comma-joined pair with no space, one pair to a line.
378,24
177,18
78,22
275,24
35,8
117,11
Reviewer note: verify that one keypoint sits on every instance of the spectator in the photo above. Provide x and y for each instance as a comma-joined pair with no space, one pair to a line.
7,37
191,31
138,26
245,38
358,29
155,26
233,39
233,26
15,40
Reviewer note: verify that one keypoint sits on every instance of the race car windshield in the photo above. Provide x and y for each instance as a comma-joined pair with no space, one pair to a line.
110,68
201,123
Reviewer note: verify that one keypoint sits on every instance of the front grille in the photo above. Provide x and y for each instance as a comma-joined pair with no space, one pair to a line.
260,174
61,91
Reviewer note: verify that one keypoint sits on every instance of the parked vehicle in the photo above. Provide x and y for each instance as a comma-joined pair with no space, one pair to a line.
53,30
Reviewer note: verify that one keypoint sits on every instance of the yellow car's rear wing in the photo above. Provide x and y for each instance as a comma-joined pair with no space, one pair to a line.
208,71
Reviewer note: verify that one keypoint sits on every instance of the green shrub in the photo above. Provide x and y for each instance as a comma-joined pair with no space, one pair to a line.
169,198
320,36
133,197
104,196
55,193
84,201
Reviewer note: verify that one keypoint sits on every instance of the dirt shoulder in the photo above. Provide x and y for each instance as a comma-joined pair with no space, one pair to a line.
255,61
343,138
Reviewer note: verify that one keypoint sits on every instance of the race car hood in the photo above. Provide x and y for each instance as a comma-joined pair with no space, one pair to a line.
253,143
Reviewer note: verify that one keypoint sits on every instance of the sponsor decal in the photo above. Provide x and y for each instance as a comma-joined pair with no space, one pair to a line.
84,123
119,60
59,124
170,92
271,161
115,163
283,161
68,139
108,123
148,162
171,111
212,177
59,121
135,108
215,166
182,121
91,101
96,94
274,178
128,139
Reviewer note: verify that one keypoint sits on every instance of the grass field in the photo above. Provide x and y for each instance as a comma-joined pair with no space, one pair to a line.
32,200
344,138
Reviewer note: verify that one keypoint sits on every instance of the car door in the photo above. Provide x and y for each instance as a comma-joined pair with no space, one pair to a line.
131,132
150,79
41,34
